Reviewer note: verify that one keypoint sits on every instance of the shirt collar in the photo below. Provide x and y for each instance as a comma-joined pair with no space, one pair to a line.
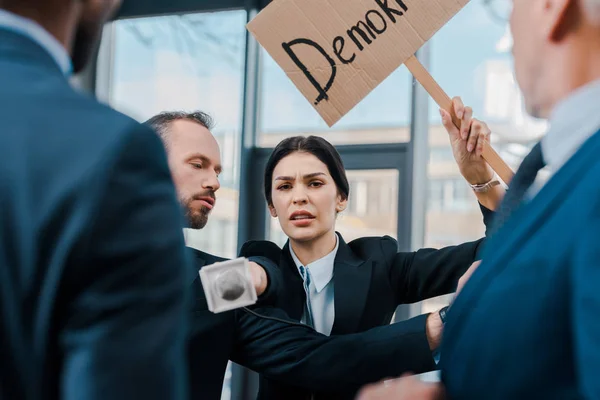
321,270
38,34
572,122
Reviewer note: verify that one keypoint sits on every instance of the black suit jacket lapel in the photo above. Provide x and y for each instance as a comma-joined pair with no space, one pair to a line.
199,258
352,277
197,262
294,295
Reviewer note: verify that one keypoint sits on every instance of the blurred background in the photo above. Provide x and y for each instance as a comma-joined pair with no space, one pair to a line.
197,55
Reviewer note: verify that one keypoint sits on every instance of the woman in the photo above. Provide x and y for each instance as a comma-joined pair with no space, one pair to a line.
343,288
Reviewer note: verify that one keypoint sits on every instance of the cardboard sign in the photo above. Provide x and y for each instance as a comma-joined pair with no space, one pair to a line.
337,51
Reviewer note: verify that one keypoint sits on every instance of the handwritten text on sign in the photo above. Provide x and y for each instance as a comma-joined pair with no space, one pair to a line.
337,51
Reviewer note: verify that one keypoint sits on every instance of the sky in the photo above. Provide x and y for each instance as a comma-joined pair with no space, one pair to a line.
196,62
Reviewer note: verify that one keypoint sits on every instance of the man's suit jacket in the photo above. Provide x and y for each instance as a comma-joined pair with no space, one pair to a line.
371,279
266,340
213,335
92,256
527,324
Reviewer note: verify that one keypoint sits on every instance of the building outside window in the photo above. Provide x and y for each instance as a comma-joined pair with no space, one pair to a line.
470,57
188,62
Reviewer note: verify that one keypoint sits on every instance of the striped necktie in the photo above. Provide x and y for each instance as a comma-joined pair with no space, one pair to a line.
307,309
520,184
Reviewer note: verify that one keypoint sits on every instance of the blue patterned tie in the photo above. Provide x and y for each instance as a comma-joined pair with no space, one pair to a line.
521,182
307,310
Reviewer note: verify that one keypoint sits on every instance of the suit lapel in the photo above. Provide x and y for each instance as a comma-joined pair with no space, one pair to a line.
199,258
197,262
293,302
523,224
352,277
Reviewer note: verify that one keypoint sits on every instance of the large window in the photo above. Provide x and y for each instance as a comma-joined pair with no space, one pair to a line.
189,62
470,58
382,117
197,62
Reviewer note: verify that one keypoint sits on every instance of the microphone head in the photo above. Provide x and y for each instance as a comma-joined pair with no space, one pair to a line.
230,285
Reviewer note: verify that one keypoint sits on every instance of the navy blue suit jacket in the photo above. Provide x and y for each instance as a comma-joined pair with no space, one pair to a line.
527,324
92,255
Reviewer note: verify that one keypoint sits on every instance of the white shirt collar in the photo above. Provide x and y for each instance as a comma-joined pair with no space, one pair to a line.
572,122
321,270
37,33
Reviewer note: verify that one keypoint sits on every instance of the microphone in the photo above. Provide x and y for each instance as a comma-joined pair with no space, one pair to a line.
228,285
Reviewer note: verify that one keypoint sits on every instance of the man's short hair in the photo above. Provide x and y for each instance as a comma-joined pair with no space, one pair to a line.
162,122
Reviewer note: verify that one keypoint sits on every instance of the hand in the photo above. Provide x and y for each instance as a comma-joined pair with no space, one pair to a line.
259,278
466,276
405,388
434,328
467,144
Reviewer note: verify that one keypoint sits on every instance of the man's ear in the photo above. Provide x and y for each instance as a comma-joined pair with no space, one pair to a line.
560,16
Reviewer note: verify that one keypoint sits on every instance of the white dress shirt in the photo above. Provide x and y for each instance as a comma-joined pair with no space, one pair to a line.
320,290
38,34
573,121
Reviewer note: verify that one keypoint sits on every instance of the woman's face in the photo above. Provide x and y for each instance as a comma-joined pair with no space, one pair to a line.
305,197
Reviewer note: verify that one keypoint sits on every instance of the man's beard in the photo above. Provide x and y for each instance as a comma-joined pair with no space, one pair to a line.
196,219
84,46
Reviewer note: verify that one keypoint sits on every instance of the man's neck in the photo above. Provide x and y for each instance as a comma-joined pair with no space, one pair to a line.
60,21
577,66
313,250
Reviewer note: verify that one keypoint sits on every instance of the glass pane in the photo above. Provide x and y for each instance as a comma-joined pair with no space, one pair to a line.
382,117
372,207
471,59
189,62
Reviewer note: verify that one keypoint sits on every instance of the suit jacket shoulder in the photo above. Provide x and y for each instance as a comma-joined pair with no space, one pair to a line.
375,247
202,258
261,248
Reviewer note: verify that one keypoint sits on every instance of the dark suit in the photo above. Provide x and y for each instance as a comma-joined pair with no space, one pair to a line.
92,258
213,335
371,279
274,345
527,324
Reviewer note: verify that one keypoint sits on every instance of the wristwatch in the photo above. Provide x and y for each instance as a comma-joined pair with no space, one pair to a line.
444,313
484,187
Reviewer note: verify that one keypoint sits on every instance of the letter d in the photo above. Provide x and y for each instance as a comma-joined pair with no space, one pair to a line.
322,90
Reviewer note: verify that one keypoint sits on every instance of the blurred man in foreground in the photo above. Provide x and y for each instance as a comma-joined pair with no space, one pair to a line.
526,324
92,258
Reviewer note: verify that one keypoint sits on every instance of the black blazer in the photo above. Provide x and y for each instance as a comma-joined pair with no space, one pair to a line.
212,337
266,340
92,256
371,279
